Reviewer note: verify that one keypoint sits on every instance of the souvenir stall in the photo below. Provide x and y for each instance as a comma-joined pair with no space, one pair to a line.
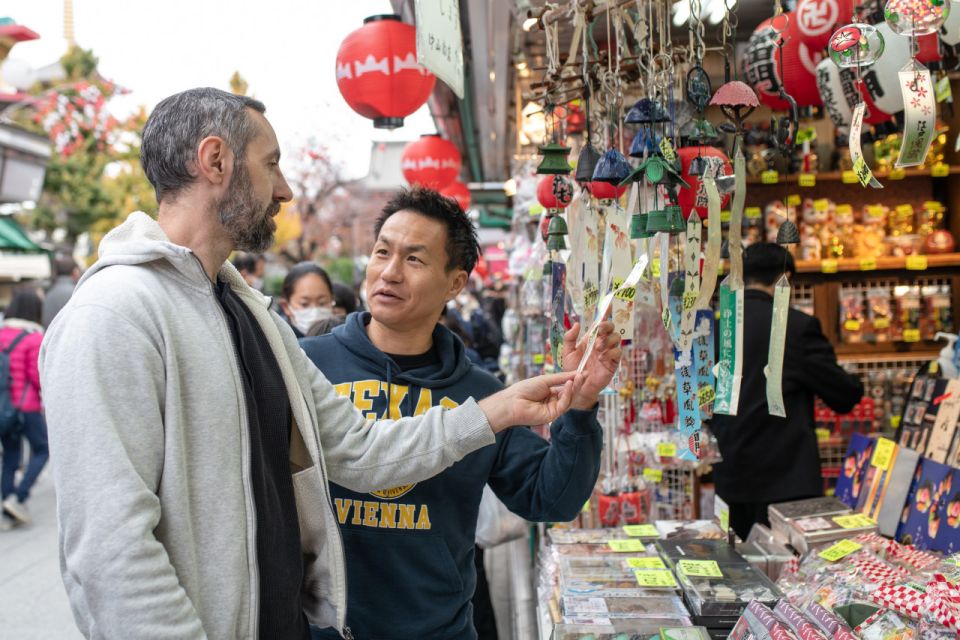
650,150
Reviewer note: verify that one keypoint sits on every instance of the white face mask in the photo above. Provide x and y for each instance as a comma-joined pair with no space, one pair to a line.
303,319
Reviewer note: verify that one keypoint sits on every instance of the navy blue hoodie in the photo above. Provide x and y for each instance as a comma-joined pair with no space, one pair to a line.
410,571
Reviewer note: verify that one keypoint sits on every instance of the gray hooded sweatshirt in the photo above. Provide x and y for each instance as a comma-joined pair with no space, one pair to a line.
151,454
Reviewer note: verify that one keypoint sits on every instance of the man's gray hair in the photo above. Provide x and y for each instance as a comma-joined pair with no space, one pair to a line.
177,125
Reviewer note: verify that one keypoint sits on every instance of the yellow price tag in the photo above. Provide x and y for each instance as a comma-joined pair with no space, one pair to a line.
905,210
538,358
793,200
699,568
841,549
646,563
881,323
706,394
876,211
864,175
770,176
854,521
725,215
752,212
807,180
917,263
627,293
868,264
941,90
640,531
851,325
940,170
895,422
666,148
653,475
822,434
911,335
725,519
655,267
883,454
849,177
586,507
896,174
933,205
626,546
536,209
667,450
821,204
689,299
655,578
828,266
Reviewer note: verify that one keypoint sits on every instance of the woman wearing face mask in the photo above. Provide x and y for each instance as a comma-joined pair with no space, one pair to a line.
306,297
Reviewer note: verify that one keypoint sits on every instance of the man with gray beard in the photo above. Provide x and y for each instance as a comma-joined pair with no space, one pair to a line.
191,439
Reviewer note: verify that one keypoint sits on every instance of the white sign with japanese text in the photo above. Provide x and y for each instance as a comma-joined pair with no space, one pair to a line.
440,41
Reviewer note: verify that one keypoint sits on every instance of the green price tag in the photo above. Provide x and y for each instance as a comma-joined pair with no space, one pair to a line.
666,148
699,568
725,519
655,578
667,450
841,549
655,267
626,546
653,475
770,177
942,89
725,215
807,180
752,212
538,358
640,530
646,563
883,454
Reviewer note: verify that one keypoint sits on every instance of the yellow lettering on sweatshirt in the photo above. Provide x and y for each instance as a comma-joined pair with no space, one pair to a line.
407,513
356,514
424,402
364,391
447,403
343,389
423,520
395,393
343,509
370,513
388,515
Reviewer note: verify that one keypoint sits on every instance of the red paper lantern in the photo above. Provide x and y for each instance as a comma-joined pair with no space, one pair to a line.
555,192
762,68
818,19
378,74
459,192
430,162
716,163
605,190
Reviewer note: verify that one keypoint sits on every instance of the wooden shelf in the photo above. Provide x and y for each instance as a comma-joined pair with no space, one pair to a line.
936,261
889,350
837,176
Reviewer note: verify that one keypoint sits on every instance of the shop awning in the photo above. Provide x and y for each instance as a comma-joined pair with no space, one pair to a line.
13,238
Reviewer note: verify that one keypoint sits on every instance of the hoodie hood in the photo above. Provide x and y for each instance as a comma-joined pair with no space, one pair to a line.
141,240
454,364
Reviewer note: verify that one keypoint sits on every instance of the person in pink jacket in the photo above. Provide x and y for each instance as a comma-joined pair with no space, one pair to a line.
23,315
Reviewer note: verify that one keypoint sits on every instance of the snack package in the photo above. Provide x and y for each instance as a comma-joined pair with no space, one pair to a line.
885,625
879,314
906,315
798,623
827,620
937,311
851,316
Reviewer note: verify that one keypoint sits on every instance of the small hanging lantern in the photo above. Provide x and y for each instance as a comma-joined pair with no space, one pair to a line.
430,162
554,160
612,168
556,232
554,192
788,233
658,220
675,223
586,164
638,226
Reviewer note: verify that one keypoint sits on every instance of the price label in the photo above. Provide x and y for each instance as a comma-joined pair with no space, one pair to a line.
752,212
807,180
849,177
706,394
640,531
881,323
821,204
851,325
854,521
667,450
942,89
844,209
653,475
911,335
864,175
655,267
626,293
895,422
770,177
538,358
868,264
822,434
666,319
646,563
666,148
689,299
917,263
933,205
655,578
940,170
828,266
876,211
896,174
725,215
793,200
699,568
841,549
586,507
626,546
883,454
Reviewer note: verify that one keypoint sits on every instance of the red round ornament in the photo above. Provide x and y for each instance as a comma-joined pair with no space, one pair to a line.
763,69
605,190
430,162
459,192
716,163
555,192
378,74
816,20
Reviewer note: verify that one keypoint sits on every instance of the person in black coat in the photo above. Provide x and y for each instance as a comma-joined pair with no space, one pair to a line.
767,459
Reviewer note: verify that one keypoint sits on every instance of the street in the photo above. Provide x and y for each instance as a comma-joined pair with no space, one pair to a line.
33,603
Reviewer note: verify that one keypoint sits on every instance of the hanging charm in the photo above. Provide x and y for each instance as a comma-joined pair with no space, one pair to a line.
778,336
920,106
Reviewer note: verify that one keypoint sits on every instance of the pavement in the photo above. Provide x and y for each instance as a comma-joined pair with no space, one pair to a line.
33,603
